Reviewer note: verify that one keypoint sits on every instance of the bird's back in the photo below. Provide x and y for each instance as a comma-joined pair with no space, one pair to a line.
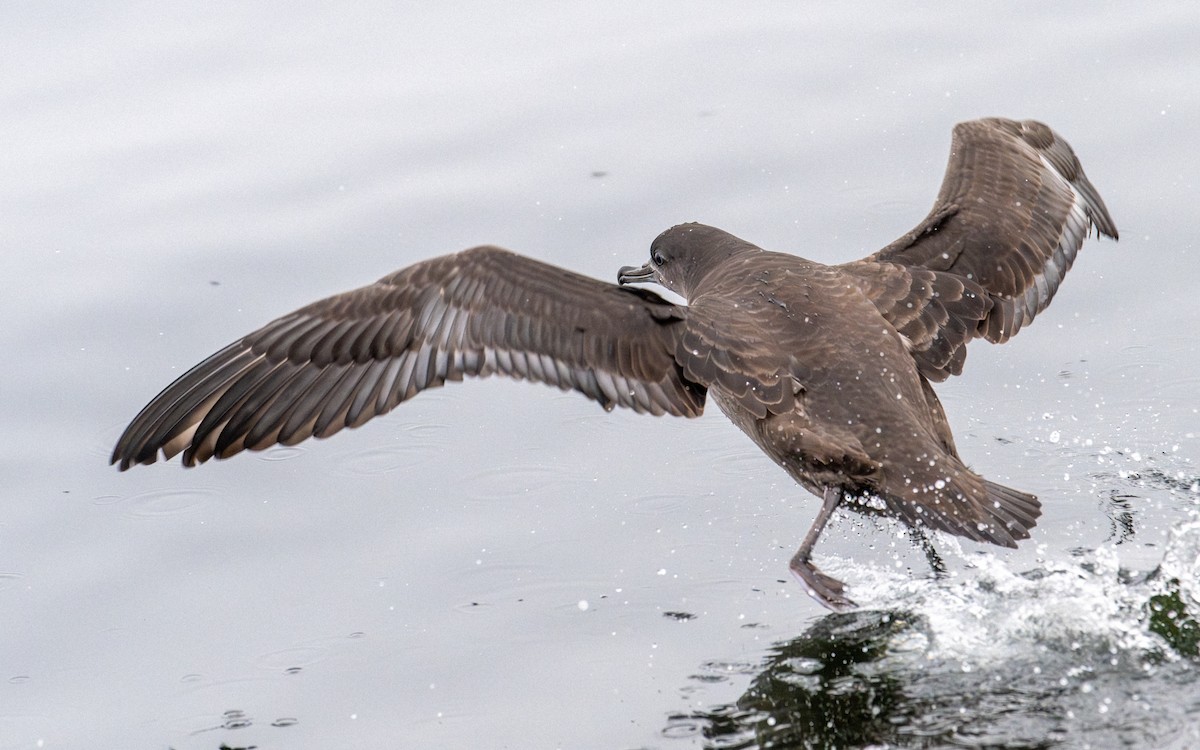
863,417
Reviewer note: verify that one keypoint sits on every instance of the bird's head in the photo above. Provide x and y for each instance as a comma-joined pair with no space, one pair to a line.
682,256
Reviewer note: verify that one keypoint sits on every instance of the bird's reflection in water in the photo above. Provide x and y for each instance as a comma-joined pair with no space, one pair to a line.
823,689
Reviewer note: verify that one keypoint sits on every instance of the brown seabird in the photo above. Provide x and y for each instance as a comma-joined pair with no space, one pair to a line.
826,368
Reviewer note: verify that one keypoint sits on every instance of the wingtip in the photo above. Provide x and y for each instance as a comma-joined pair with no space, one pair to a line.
1105,227
125,463
119,459
1097,212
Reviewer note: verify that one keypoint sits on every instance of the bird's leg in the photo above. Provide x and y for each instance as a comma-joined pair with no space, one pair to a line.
827,591
921,539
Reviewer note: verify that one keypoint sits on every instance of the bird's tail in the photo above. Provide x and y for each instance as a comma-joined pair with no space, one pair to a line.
1013,511
961,502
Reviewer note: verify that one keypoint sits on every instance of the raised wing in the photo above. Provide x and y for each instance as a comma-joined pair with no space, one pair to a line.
937,312
1014,208
340,361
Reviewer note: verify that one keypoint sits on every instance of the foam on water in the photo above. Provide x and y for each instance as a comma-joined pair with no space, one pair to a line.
991,611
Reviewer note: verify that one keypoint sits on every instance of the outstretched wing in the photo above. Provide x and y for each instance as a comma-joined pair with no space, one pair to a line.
1014,208
340,361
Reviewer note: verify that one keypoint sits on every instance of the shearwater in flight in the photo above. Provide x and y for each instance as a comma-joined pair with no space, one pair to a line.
826,368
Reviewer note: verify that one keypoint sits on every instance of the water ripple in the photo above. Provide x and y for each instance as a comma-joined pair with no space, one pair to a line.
292,659
281,453
164,503
516,481
384,460
653,505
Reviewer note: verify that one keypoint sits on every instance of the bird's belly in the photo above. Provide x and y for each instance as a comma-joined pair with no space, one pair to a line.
815,454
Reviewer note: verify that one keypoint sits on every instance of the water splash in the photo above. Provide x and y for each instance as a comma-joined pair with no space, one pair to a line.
1079,652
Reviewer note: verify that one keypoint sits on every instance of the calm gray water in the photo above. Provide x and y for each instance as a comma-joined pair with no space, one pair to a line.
502,565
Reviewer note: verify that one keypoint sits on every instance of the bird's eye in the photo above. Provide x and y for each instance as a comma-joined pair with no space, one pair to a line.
658,258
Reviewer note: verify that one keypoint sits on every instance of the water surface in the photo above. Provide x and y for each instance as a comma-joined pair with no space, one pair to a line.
502,565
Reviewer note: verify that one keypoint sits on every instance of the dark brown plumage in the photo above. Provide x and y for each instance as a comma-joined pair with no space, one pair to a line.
826,368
